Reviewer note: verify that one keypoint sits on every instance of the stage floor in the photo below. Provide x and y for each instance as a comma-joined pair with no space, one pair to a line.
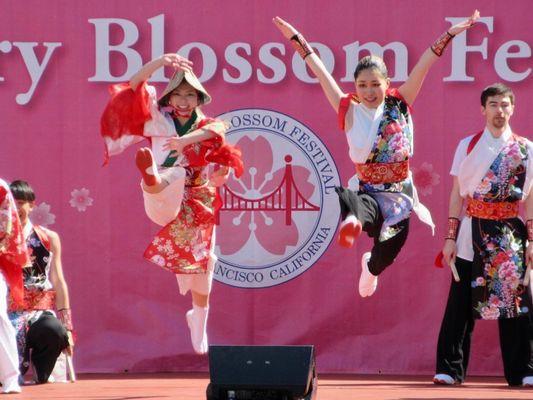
185,386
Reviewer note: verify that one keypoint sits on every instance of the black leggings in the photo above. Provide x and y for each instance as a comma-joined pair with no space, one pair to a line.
366,210
453,349
45,340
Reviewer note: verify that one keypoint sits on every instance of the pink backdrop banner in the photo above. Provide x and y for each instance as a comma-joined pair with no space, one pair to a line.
281,278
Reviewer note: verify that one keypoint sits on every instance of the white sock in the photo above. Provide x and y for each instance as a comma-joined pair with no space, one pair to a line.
367,281
11,385
197,321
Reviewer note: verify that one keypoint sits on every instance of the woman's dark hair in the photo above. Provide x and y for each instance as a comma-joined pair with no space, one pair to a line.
371,62
496,89
22,190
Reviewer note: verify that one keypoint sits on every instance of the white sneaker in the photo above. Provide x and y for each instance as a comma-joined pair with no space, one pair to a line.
443,379
527,381
197,326
367,282
11,386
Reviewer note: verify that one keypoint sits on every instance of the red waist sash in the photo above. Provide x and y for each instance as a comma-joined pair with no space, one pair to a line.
377,173
36,300
496,211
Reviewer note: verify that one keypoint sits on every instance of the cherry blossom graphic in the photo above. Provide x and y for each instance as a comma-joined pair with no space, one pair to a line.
261,178
425,178
41,215
80,199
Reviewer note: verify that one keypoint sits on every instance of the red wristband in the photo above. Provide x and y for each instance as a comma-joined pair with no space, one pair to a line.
301,46
65,316
441,43
453,227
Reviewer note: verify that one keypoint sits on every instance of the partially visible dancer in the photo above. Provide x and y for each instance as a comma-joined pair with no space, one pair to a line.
13,257
44,322
492,172
187,160
379,129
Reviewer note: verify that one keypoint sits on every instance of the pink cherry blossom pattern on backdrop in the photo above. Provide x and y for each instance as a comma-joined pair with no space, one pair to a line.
260,179
425,178
41,215
80,199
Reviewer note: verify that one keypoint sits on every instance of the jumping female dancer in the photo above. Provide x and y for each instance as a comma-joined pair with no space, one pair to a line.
179,193
379,129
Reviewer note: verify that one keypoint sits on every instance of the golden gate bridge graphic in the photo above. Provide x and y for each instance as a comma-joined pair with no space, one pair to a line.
286,197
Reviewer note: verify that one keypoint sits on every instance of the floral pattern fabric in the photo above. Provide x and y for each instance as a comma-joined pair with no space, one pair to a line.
499,266
21,321
184,245
505,178
36,275
393,144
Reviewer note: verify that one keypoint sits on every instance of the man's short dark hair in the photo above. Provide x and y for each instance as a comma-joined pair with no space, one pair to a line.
22,190
496,89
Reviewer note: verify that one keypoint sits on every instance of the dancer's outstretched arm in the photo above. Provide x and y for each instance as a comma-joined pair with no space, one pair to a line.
329,86
166,60
409,90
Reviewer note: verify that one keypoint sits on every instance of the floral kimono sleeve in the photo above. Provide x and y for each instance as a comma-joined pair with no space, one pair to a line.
217,151
13,252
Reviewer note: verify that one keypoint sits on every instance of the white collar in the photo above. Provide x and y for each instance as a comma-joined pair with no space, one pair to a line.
26,230
370,112
503,138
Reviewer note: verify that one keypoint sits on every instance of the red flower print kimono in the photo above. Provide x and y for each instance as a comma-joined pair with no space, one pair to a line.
184,245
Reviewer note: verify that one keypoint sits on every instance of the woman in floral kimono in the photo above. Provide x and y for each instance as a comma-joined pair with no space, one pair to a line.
493,172
379,130
179,194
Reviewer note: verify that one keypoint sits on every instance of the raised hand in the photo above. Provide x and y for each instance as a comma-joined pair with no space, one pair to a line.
176,61
175,144
464,25
284,27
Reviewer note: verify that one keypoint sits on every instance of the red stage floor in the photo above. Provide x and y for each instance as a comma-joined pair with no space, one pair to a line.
330,387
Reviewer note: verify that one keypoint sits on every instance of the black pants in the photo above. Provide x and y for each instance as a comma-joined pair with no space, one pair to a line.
453,349
366,210
45,340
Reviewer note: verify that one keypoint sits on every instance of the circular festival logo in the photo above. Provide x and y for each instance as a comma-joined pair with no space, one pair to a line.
281,215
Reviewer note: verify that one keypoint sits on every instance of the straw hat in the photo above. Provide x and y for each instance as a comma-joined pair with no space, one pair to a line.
178,78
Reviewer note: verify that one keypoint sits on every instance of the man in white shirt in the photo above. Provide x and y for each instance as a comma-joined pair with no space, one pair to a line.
492,172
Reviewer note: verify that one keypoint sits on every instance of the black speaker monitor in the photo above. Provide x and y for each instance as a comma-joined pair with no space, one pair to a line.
261,372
